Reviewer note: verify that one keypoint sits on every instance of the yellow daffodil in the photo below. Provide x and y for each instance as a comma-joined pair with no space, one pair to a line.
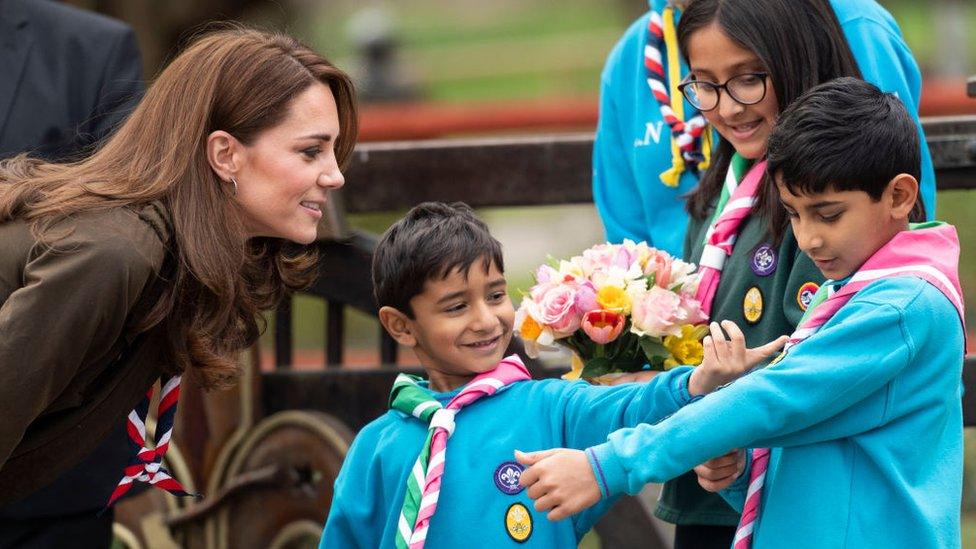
530,329
687,347
612,298
577,369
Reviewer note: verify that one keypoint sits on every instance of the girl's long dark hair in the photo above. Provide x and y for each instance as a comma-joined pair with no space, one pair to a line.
801,44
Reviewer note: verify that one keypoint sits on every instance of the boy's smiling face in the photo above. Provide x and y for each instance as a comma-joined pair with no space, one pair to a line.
462,325
840,230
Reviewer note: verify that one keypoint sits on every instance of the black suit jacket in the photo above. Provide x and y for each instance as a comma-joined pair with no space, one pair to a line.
66,77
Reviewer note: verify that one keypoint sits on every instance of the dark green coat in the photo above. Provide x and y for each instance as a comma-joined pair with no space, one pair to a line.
683,501
71,363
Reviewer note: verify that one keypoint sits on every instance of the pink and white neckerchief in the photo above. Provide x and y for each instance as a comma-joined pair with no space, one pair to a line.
734,206
424,482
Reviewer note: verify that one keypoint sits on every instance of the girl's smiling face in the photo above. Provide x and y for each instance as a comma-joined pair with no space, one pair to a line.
714,57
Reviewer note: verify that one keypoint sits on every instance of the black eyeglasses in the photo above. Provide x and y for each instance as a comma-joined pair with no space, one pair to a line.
746,89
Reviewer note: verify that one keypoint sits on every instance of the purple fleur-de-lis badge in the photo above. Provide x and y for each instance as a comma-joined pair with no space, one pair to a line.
507,477
763,260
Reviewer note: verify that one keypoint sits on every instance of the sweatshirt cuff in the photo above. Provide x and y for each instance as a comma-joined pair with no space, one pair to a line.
608,470
679,389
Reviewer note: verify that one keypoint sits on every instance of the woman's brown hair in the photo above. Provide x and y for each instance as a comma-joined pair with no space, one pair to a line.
234,79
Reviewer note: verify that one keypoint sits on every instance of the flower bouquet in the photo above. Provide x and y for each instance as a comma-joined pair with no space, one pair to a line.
617,307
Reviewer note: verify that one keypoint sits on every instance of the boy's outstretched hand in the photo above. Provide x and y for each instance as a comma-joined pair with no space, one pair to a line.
560,481
727,359
718,473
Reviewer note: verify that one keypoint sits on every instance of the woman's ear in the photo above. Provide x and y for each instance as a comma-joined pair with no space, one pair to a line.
903,189
398,325
224,154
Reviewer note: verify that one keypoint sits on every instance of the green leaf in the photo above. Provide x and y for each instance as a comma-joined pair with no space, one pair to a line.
653,348
657,363
595,367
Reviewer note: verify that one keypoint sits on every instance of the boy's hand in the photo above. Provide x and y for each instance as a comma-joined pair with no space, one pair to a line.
559,479
727,359
718,473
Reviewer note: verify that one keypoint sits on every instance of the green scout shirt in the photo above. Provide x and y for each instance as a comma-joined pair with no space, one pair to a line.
763,290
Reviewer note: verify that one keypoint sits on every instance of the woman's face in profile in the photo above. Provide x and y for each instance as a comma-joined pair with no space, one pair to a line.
287,171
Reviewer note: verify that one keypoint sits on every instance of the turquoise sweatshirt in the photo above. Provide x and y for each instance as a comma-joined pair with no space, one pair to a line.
864,417
475,498
633,145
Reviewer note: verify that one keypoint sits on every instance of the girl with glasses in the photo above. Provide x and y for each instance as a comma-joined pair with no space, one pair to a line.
747,60
651,148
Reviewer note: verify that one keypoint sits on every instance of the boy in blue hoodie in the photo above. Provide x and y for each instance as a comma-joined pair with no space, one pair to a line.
856,431
438,279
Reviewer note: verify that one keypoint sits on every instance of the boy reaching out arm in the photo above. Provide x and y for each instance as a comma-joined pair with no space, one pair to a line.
439,280
563,481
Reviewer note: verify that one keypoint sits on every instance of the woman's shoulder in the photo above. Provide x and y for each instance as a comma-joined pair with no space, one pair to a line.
126,235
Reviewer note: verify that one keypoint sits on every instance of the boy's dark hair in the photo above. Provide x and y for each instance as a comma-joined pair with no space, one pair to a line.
844,135
801,44
429,243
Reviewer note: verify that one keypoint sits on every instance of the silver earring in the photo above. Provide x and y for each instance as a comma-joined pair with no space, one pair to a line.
234,181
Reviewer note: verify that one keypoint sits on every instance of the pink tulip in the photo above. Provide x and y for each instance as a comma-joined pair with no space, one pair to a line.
586,297
660,265
603,326
545,274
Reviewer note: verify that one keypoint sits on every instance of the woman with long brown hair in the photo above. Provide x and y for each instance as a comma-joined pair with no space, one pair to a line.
154,256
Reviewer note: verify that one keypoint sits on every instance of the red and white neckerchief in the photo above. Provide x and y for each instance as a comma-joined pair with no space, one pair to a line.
146,464
688,148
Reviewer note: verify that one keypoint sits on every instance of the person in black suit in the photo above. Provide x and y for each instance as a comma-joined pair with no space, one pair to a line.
67,78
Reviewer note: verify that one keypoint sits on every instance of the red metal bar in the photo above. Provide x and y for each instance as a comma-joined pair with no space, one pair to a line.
407,121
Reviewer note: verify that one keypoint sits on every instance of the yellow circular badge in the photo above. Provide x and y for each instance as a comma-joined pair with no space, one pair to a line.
752,305
518,522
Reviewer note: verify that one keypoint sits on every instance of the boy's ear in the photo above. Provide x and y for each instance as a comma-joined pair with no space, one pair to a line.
903,189
398,325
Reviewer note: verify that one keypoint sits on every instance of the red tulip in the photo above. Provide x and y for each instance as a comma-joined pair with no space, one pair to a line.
603,326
